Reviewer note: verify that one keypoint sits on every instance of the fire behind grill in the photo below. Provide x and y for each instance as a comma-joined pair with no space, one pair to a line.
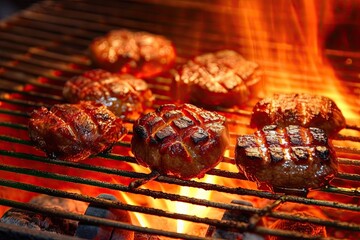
40,48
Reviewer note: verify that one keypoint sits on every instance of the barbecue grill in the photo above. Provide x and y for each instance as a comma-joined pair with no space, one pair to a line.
44,45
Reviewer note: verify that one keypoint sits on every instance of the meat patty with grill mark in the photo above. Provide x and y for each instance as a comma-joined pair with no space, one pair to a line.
223,78
184,141
125,95
73,132
292,157
141,54
299,109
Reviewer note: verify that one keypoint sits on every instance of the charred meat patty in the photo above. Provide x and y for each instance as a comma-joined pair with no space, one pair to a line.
298,109
222,78
74,132
141,54
124,94
292,157
184,141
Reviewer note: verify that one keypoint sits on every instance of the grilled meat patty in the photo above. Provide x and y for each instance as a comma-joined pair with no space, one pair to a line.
292,157
298,109
73,132
124,94
39,221
184,141
141,54
222,78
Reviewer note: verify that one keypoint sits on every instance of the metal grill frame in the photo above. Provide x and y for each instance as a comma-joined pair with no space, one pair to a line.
52,36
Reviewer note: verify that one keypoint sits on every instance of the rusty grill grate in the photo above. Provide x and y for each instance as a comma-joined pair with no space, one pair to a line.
41,47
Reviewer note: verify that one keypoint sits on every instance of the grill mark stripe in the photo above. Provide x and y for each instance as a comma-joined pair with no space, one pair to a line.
67,125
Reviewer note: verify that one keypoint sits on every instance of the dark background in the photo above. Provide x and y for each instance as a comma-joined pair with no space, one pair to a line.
9,7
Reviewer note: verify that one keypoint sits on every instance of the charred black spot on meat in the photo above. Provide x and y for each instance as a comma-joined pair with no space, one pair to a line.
300,153
183,122
199,135
253,153
276,154
319,135
322,152
272,138
165,133
168,116
154,123
294,136
140,131
246,141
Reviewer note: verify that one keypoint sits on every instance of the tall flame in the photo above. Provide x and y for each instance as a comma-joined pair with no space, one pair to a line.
289,38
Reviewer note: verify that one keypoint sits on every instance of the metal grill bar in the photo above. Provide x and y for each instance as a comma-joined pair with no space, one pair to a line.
45,45
93,220
239,191
110,204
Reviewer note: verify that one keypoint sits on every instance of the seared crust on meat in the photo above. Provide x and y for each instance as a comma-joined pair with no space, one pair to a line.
73,132
141,54
293,157
184,141
124,94
222,78
298,109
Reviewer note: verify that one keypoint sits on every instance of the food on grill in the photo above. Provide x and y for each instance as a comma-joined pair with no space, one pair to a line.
293,157
91,231
139,53
222,78
299,227
184,141
39,221
74,132
298,109
123,94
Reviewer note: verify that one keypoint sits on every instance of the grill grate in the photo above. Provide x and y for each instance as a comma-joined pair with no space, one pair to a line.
41,47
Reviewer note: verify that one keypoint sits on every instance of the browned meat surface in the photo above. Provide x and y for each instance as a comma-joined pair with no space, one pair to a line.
141,54
123,94
40,221
184,141
299,109
293,157
73,132
222,78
